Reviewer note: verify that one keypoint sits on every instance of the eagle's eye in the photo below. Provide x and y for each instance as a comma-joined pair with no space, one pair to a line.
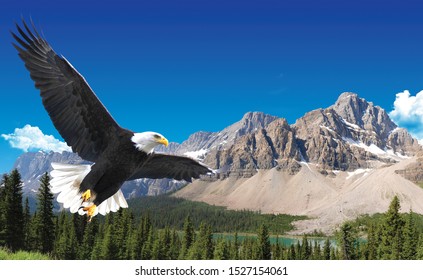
157,136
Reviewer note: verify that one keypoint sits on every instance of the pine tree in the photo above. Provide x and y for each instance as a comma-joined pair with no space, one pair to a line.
141,236
234,252
333,254
175,245
277,251
110,249
79,223
88,241
207,240
147,248
359,255
188,238
298,251
71,240
60,221
14,234
247,251
419,250
131,247
347,240
255,250
45,215
66,245
264,248
411,238
316,251
326,249
305,249
166,243
123,225
292,253
221,251
397,246
202,249
27,223
391,232
156,249
32,241
98,244
161,245
372,243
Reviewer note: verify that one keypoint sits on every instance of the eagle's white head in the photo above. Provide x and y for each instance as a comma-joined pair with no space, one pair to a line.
147,141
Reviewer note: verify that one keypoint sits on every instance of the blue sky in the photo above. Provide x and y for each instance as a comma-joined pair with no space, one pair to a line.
177,67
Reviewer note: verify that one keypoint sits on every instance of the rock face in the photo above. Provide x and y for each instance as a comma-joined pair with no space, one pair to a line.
206,141
364,114
261,149
351,134
403,143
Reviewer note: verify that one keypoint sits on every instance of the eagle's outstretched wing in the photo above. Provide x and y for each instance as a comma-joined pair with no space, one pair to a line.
160,166
76,112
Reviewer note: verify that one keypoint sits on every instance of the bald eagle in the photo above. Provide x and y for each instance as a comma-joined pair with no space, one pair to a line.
118,154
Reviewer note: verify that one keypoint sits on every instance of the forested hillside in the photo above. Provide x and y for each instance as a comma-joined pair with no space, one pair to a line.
170,211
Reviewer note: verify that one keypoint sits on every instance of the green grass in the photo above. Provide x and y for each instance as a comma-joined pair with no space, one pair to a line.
21,255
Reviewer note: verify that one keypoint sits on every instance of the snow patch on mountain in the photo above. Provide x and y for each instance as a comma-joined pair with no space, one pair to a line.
372,148
358,172
197,155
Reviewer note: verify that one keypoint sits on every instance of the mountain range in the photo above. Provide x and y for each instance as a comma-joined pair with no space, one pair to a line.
332,164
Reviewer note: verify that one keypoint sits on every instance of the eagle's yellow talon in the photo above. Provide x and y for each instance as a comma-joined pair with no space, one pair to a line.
86,195
90,211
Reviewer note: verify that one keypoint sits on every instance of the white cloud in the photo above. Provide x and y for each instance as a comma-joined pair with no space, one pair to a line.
30,138
408,112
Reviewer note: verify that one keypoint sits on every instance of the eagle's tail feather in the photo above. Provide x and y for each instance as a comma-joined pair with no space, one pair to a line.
66,180
113,203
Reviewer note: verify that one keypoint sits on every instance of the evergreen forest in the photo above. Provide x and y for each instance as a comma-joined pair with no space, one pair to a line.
169,228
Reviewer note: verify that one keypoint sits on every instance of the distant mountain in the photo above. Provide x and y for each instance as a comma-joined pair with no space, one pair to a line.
200,143
33,165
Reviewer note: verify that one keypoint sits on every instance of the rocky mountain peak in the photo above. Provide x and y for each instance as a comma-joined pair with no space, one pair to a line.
250,122
351,108
207,141
263,148
196,141
365,115
257,119
350,133
401,142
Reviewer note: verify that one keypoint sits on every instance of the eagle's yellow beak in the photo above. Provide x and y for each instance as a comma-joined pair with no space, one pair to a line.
163,141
